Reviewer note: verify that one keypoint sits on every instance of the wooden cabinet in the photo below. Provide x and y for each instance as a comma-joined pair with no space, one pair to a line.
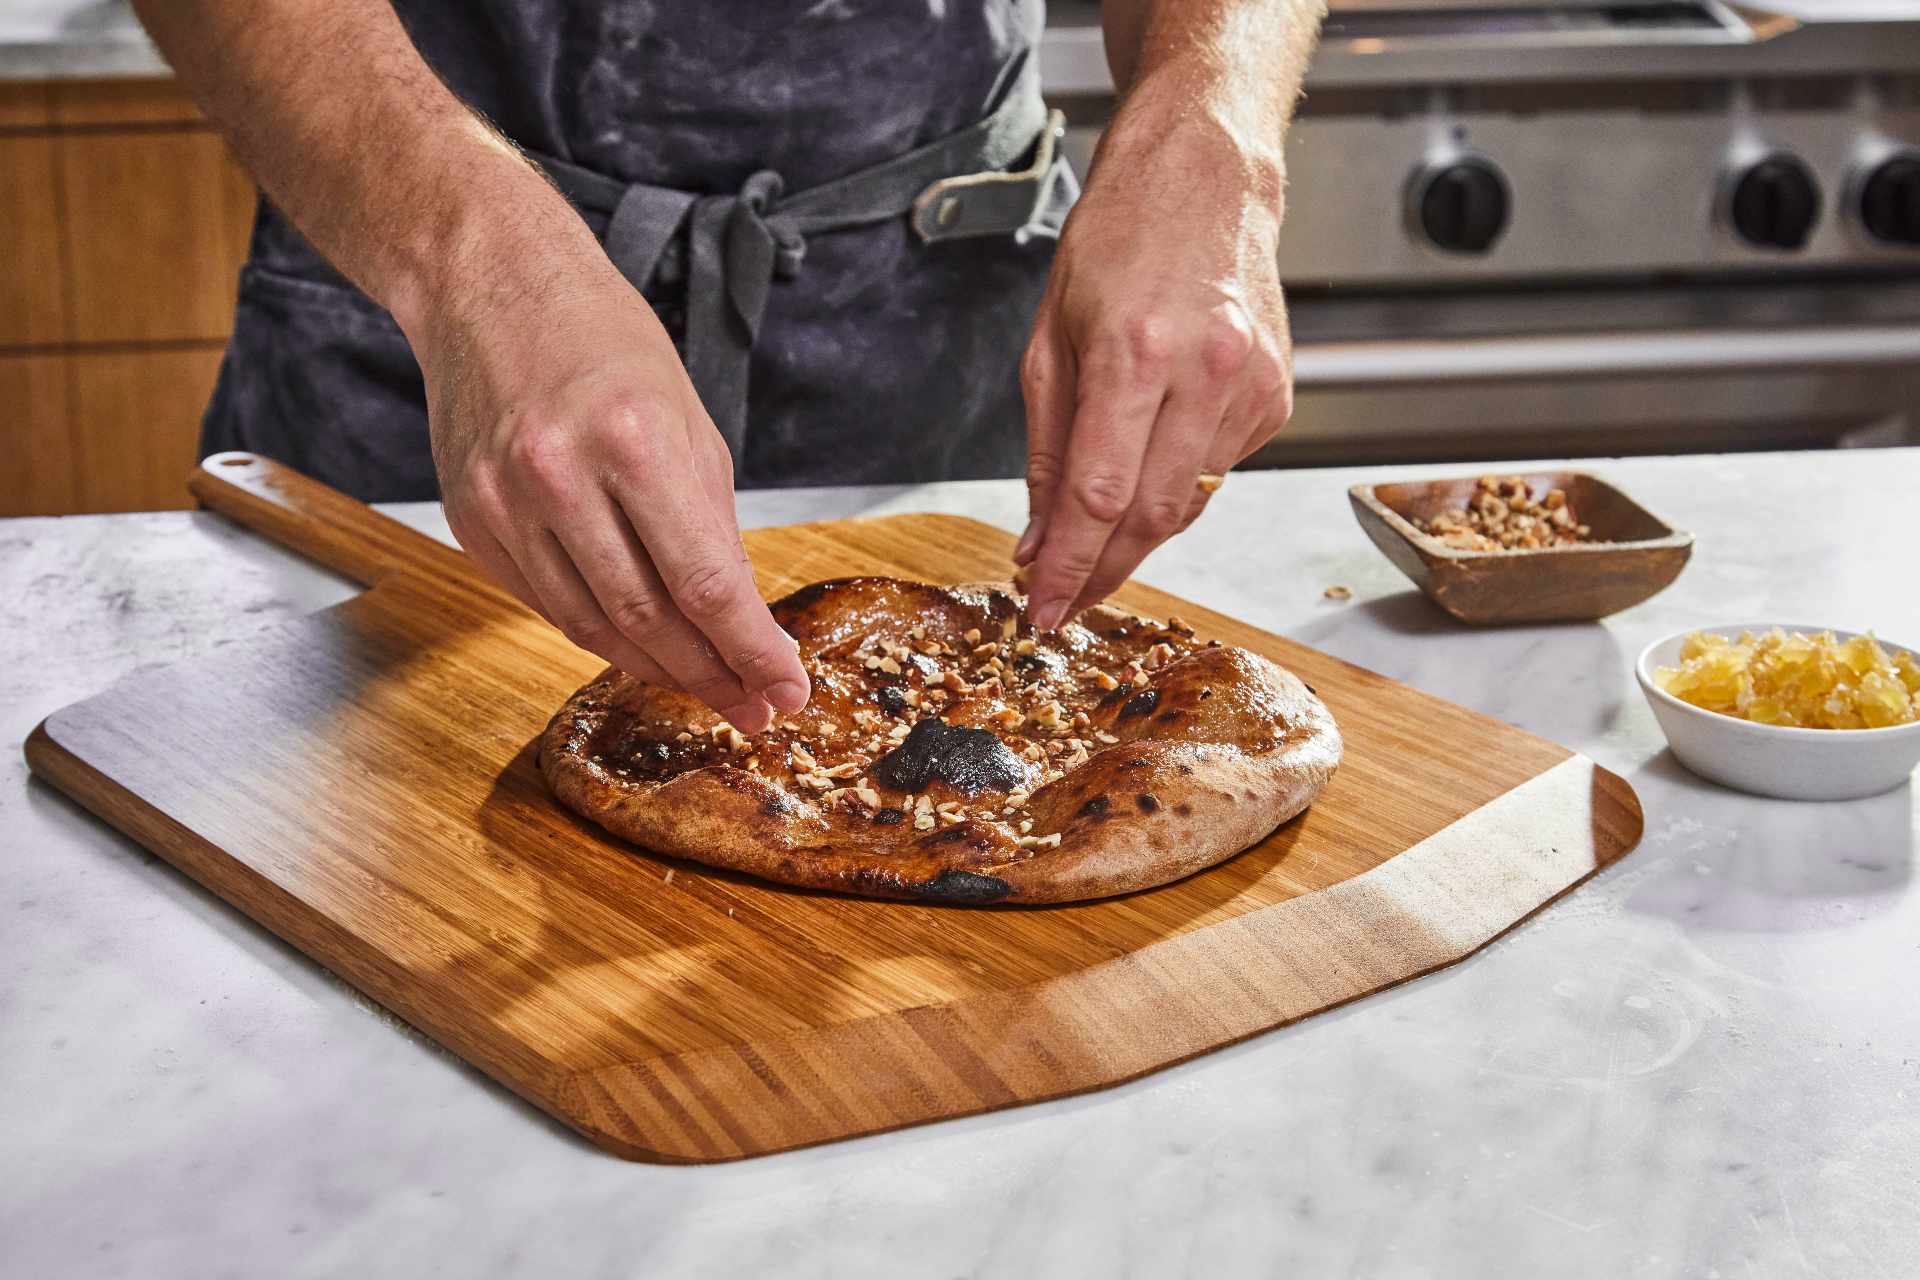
135,424
124,221
32,311
155,223
38,476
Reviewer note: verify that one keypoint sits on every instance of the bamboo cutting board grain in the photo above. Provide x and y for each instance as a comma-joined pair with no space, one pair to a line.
362,782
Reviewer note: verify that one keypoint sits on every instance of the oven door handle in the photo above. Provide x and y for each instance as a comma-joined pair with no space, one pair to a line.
1331,365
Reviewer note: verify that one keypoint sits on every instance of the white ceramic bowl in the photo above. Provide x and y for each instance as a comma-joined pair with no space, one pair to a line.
1771,759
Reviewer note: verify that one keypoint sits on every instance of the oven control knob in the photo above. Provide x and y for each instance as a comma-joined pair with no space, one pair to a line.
1461,205
1890,201
1776,203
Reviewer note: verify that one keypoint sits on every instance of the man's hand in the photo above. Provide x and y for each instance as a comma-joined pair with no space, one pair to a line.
1160,352
578,466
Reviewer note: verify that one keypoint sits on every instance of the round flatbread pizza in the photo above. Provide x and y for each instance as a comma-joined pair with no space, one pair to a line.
951,753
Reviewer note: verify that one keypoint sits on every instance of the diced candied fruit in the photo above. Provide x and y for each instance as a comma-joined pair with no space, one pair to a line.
1810,681
1909,671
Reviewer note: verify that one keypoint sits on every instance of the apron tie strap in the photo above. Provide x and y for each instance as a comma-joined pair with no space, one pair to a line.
736,246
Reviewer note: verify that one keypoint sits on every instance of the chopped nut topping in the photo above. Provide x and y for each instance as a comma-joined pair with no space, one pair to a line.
683,736
986,650
803,758
1104,736
1105,681
847,770
889,666
971,635
1026,825
1009,627
1502,515
952,681
923,821
1160,654
1139,678
1040,842
1025,646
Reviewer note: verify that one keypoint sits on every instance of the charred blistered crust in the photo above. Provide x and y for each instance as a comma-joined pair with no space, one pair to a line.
952,755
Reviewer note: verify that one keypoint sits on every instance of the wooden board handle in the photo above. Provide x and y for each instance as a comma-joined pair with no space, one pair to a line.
321,523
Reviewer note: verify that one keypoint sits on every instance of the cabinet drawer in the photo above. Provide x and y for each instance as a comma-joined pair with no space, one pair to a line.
136,425
31,309
156,227
38,478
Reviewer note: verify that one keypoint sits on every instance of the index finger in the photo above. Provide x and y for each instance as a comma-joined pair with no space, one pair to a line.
705,570
1111,425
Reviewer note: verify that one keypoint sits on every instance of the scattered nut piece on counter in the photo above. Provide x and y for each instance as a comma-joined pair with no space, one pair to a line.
1503,515
1338,592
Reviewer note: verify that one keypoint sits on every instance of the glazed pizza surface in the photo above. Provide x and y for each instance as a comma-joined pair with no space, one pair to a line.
952,754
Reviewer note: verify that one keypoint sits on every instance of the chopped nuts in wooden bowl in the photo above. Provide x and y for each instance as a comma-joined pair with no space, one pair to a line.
1504,515
1493,549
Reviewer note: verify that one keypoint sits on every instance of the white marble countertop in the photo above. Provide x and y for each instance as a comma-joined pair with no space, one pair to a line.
60,39
1704,1063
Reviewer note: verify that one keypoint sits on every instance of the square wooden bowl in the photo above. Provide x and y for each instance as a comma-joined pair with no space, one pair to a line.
1634,553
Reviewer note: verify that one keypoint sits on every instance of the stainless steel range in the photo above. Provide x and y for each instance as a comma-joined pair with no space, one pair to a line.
1571,228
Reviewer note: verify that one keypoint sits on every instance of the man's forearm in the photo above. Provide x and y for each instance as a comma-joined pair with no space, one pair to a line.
1229,66
347,129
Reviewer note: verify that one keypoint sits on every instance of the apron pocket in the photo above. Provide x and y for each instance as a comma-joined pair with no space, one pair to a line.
317,375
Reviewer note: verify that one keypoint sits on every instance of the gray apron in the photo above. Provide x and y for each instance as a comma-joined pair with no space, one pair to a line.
842,210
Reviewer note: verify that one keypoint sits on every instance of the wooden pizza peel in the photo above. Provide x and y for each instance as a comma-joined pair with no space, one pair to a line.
362,782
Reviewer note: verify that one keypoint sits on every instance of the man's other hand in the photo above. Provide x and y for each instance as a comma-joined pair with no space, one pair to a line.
1160,352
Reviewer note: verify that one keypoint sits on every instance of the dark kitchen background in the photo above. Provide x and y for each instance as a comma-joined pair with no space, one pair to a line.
1514,230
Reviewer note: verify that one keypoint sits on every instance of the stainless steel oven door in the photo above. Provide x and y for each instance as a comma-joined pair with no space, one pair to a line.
1574,394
